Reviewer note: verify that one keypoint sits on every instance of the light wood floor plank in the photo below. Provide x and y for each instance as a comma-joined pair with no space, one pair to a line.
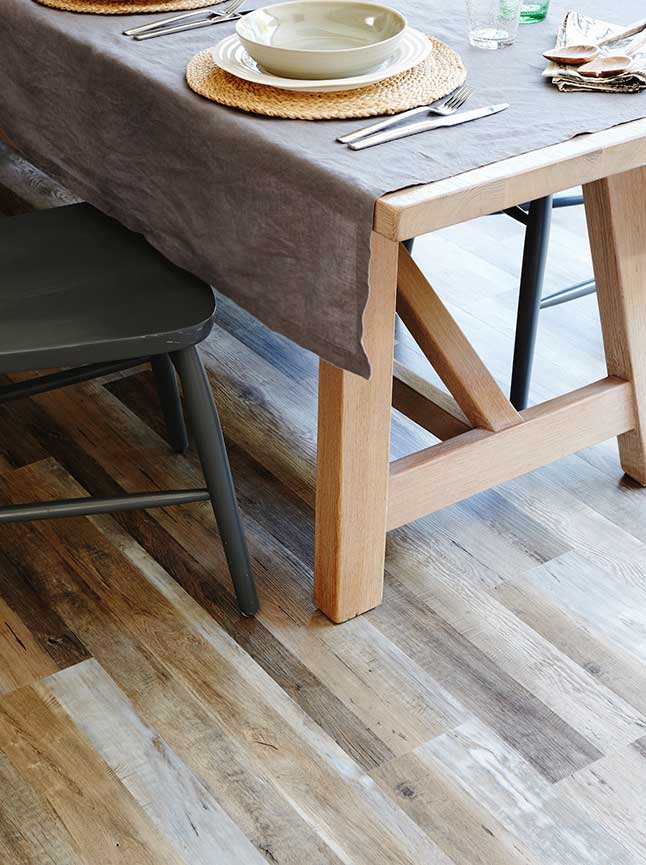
485,539
100,815
31,832
180,804
467,831
593,478
613,607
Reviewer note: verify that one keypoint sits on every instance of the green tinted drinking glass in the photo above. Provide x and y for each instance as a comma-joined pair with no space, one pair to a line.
534,11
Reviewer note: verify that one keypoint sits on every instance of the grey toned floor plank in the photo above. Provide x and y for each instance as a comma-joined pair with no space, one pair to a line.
556,829
610,664
519,717
612,792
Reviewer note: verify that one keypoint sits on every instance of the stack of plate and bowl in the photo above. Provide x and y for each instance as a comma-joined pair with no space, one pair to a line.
321,46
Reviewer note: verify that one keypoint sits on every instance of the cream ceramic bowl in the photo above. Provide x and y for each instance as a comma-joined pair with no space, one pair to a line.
318,39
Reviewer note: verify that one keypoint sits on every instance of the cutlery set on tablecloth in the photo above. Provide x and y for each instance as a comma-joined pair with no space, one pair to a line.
363,138
325,46
186,21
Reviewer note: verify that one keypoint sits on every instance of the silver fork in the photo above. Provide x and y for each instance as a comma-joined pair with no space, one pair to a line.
447,106
205,14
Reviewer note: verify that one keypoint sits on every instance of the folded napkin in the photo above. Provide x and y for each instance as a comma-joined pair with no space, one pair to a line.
581,30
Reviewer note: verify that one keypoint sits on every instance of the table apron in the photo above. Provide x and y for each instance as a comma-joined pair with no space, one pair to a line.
421,209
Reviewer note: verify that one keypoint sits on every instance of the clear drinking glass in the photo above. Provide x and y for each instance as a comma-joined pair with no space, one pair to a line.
530,12
493,23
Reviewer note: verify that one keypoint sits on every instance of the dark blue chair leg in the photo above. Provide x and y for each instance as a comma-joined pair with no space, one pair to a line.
204,422
537,238
171,404
537,217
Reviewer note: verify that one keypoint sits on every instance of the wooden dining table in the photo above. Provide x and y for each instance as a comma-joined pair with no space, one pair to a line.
361,494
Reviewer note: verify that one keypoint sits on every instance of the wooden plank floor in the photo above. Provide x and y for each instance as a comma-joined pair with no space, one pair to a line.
491,712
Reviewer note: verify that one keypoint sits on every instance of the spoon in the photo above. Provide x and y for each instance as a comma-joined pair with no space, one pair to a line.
577,55
572,55
609,67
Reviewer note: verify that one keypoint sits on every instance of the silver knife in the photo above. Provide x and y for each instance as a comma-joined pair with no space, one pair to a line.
427,125
209,21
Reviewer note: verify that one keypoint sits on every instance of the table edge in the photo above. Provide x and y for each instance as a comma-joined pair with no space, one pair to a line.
588,157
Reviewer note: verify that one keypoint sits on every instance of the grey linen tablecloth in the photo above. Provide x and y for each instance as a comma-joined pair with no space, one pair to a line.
274,213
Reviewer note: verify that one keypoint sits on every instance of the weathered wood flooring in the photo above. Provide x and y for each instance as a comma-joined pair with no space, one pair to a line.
491,712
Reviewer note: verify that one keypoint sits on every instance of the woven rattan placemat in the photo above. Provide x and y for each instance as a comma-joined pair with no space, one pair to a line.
430,80
98,7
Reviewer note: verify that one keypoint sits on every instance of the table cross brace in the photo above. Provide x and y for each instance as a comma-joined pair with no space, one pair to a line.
485,440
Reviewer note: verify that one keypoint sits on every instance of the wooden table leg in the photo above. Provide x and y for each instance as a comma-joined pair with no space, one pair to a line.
616,211
353,458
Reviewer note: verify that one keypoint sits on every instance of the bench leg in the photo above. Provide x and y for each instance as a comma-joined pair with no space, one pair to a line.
353,458
616,213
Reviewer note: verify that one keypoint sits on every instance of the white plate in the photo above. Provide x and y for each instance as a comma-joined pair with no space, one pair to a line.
231,56
318,39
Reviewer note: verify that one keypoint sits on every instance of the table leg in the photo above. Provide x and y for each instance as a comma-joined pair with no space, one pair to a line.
616,212
353,458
